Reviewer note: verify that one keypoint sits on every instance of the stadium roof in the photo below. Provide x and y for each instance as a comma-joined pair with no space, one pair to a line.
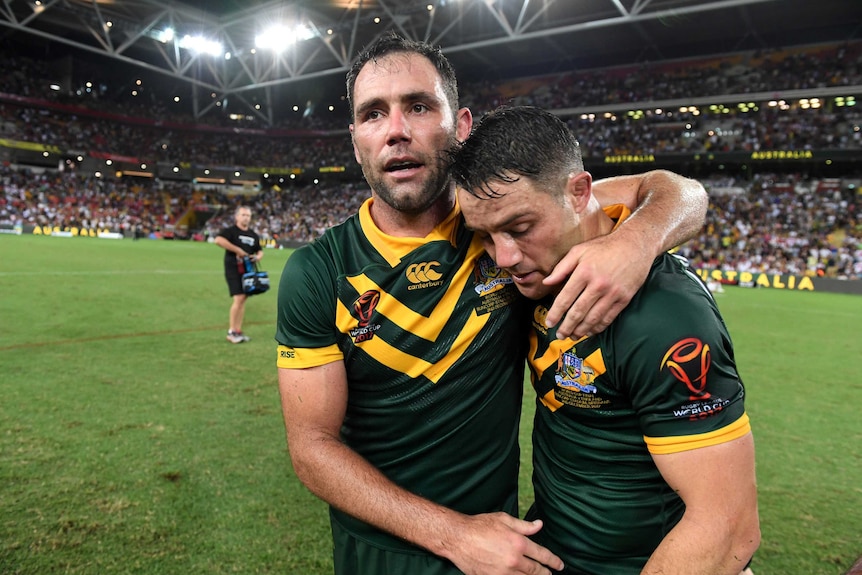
485,39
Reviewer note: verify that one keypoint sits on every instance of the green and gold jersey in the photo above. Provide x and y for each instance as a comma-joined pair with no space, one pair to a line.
661,379
434,355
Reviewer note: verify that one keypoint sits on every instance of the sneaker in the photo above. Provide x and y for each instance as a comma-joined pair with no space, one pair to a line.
235,337
242,335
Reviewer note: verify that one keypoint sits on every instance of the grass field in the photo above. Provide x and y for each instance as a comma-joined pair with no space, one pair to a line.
135,439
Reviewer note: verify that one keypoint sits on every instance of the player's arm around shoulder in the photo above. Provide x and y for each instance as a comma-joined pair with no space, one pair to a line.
603,274
667,208
720,529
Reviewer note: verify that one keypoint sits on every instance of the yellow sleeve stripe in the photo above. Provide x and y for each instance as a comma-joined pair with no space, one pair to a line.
302,357
665,445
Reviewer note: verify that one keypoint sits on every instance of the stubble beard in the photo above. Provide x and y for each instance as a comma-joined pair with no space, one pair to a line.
413,198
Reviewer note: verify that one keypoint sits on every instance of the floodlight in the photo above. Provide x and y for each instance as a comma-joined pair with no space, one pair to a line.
201,45
278,37
165,36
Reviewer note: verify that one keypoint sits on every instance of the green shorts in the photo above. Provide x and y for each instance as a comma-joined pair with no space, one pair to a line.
354,556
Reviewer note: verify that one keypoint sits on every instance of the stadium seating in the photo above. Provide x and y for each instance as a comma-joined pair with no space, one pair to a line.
796,220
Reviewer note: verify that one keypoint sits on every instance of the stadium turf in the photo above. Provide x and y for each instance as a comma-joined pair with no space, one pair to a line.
135,439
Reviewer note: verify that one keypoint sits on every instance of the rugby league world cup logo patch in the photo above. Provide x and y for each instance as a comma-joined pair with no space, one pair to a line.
688,360
363,309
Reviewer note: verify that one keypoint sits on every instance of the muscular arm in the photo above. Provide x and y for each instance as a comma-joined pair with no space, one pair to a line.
719,531
314,403
605,273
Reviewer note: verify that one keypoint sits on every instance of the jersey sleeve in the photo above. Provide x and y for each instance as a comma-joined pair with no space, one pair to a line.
305,326
677,359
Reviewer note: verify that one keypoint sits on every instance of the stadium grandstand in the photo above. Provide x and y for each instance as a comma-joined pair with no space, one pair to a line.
120,117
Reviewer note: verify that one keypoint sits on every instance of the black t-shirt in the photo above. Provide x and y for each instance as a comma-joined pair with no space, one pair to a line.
248,240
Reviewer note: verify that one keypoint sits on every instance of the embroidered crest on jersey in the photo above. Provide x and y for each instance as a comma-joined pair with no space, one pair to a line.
363,309
423,275
573,374
489,278
493,285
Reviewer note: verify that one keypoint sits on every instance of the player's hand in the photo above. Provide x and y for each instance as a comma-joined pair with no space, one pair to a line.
604,274
498,544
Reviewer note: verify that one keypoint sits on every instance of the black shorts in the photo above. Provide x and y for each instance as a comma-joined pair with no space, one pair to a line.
233,277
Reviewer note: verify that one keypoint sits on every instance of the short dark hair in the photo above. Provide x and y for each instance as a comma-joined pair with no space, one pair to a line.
515,141
392,43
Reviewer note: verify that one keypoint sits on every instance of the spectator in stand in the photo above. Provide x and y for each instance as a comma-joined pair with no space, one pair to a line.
239,242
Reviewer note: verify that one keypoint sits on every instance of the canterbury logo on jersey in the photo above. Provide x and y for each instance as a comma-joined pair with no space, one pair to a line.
423,275
540,315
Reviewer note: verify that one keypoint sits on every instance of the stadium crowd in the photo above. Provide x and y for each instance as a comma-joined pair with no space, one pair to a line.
66,200
775,223
110,122
771,71
296,214
783,224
